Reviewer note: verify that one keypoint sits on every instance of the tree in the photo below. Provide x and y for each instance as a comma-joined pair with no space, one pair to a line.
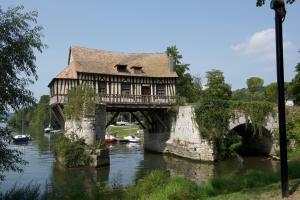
216,86
255,87
262,2
270,92
295,85
185,85
20,37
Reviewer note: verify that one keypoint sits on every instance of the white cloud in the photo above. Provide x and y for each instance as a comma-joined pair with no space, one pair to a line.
261,46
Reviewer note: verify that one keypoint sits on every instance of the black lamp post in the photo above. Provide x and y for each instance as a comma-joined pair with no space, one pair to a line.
279,7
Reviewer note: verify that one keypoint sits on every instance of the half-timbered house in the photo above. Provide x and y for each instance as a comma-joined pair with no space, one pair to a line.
119,78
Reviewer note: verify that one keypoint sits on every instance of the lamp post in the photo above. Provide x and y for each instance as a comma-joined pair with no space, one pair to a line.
279,7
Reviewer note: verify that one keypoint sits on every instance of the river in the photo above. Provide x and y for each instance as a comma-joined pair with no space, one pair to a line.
128,163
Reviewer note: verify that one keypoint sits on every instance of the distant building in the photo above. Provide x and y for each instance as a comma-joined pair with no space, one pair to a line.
289,102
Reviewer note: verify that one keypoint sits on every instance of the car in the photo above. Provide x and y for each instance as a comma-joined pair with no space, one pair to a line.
122,123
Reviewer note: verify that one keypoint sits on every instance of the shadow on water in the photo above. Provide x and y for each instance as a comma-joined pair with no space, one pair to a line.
128,163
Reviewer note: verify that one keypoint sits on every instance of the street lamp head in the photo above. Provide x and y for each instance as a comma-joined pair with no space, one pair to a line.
277,4
279,7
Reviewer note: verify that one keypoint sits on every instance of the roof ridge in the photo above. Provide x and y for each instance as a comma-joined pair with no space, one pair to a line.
110,51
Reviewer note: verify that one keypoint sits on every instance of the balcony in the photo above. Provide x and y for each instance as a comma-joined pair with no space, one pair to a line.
113,99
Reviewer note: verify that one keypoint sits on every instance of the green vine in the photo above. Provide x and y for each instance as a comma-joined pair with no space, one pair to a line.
213,117
80,102
255,112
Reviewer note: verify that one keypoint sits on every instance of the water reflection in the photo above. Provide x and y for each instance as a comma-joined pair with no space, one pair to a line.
129,163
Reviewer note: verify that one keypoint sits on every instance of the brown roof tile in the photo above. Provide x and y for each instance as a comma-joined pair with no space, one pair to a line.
103,62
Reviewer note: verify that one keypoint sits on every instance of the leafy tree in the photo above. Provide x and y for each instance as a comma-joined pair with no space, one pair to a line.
241,95
185,85
270,92
255,87
255,84
262,2
216,86
20,37
295,85
80,102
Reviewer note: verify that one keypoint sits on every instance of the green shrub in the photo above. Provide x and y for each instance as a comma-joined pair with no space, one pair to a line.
27,192
72,153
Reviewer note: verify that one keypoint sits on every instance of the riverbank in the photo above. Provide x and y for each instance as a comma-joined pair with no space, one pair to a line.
252,185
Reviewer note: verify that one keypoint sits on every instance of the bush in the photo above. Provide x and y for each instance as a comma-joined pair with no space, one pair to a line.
70,153
28,192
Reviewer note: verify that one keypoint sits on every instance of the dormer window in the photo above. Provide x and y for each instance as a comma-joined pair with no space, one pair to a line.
122,68
137,70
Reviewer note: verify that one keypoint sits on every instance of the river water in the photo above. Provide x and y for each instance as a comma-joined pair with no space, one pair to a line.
128,163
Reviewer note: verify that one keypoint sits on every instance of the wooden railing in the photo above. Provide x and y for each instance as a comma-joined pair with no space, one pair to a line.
123,99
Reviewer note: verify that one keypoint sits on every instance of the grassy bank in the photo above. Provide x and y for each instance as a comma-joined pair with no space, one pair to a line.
121,131
251,185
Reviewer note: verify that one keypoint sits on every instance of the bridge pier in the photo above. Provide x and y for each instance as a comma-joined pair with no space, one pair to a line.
180,136
100,120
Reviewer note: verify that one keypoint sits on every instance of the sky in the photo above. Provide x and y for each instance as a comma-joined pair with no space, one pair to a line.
234,36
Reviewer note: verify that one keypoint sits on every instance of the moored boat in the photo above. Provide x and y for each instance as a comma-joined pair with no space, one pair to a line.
48,129
132,138
21,138
110,138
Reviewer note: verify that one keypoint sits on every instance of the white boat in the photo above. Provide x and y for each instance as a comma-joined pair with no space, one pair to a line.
132,138
21,138
48,129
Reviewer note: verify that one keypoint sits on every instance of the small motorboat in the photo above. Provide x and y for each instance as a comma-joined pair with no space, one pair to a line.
132,138
48,129
110,138
21,138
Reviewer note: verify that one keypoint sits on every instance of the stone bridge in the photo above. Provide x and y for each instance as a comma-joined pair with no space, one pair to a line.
184,138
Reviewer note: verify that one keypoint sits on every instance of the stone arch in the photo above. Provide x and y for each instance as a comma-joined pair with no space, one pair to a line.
253,142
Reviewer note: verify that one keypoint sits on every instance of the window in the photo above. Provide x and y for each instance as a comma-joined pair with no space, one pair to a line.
125,89
137,70
122,68
160,90
102,87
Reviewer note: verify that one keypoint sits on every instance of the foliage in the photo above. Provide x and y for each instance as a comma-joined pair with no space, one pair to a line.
33,117
293,125
10,159
295,85
262,2
212,110
216,86
212,117
80,102
20,38
27,192
158,185
255,84
187,86
100,144
256,112
72,153
255,87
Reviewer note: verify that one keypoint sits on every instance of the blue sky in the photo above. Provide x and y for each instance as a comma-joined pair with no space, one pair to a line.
233,36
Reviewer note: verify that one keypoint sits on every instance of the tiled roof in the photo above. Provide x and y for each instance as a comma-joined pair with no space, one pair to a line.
104,62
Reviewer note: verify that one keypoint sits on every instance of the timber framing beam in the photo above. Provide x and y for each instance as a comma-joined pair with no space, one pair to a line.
112,119
156,116
146,117
137,119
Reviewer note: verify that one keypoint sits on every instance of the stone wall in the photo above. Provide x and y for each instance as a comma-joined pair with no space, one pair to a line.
183,140
84,128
